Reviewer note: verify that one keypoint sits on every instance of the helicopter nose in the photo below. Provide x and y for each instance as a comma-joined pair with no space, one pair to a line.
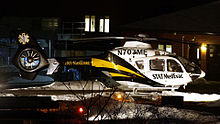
202,74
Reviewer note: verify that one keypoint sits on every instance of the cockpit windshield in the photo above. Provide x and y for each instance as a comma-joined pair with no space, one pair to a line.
190,67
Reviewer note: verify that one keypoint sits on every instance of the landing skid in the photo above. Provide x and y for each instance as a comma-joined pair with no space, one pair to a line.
136,89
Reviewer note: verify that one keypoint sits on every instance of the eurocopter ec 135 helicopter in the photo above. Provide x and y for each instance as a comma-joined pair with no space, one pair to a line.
124,62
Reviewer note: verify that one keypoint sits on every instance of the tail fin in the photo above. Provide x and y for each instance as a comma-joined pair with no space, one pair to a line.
29,58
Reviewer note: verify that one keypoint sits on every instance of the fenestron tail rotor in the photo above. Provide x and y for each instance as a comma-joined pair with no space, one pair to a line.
29,57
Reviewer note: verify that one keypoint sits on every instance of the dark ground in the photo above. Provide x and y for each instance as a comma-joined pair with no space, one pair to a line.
202,86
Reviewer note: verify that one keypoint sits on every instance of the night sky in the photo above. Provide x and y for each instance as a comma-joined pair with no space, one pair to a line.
138,8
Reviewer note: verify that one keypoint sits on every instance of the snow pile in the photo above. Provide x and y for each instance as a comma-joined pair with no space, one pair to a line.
66,97
6,95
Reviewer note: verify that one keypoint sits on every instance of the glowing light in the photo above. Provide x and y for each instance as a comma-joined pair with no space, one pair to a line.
92,24
87,23
80,110
107,24
198,53
119,96
204,47
101,25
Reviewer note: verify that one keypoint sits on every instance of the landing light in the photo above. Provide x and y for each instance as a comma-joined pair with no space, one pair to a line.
122,97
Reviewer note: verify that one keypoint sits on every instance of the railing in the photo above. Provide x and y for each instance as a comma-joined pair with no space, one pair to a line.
71,30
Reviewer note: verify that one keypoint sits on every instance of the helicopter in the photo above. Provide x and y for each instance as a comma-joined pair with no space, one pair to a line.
125,62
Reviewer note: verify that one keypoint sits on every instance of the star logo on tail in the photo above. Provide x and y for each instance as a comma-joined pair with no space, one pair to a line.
23,38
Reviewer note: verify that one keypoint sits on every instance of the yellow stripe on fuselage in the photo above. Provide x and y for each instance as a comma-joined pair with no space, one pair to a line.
118,75
103,63
106,64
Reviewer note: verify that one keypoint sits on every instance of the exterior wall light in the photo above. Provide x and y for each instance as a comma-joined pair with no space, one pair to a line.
204,47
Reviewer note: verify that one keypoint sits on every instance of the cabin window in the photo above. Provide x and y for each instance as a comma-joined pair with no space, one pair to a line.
140,64
157,65
173,66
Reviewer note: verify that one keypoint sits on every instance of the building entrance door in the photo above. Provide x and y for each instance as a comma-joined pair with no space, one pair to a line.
213,62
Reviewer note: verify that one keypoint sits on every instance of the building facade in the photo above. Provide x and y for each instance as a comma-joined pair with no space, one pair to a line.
178,35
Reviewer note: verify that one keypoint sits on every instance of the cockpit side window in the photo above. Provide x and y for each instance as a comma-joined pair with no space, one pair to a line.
173,66
140,64
189,66
157,65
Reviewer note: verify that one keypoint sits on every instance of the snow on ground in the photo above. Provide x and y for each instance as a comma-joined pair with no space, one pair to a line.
127,110
83,85
6,94
150,112
72,85
194,97
66,97
71,97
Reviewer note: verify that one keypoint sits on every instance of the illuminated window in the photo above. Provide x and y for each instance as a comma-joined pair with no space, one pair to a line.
107,24
166,47
101,25
169,48
92,25
160,46
104,24
89,23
